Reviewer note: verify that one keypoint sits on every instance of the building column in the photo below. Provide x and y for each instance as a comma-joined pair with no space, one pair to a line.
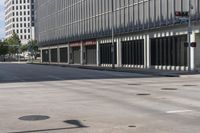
81,54
41,57
49,55
84,55
119,52
191,63
58,54
145,51
98,53
147,55
69,54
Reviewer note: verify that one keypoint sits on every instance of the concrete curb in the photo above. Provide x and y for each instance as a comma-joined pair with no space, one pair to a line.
152,72
21,62
190,76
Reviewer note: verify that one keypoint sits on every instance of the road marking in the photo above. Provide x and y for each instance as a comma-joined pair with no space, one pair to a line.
54,77
178,111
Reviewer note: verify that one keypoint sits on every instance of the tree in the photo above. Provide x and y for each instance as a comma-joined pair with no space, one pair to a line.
3,48
23,48
33,48
14,43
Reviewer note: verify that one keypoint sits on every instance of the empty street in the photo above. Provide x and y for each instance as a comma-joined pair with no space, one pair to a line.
52,99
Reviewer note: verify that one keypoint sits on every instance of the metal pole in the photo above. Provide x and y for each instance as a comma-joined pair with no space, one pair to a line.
189,36
113,45
31,43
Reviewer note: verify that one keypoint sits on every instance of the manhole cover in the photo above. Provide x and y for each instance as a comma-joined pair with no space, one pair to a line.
169,89
189,85
34,117
134,84
132,126
143,94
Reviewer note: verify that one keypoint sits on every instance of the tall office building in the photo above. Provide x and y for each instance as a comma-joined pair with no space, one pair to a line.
19,18
147,34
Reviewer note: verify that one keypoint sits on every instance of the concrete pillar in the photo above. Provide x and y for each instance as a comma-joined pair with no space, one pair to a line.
58,54
81,54
49,55
84,55
192,52
147,53
69,55
98,53
197,52
119,52
41,61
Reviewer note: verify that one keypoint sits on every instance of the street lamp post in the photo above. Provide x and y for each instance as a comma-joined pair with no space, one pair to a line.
113,45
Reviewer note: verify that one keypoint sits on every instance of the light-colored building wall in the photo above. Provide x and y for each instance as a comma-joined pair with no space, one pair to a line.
147,34
19,18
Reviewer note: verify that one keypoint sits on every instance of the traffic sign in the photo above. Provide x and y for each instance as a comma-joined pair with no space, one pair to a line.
182,14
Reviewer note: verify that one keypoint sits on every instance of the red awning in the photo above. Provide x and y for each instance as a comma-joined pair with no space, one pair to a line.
89,42
75,44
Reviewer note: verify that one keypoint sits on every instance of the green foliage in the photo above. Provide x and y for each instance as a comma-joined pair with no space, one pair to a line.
33,48
3,48
23,48
32,45
14,43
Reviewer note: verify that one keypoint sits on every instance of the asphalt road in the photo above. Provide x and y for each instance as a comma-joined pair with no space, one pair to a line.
21,72
88,101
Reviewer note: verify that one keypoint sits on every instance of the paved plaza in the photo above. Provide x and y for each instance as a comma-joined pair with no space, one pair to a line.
73,100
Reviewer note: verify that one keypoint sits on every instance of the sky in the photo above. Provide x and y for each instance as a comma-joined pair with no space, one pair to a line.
2,34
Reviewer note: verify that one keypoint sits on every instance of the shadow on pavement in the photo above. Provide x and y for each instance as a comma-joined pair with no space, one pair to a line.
46,130
13,72
75,123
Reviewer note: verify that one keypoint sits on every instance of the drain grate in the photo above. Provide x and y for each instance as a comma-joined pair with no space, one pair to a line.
143,94
169,89
34,118
189,85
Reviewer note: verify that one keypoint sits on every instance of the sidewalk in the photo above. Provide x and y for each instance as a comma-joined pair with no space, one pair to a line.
153,72
14,62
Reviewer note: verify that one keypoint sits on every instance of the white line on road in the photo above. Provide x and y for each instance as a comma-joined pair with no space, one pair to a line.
54,77
178,111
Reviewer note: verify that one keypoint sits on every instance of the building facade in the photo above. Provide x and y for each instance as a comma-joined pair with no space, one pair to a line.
19,18
147,34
